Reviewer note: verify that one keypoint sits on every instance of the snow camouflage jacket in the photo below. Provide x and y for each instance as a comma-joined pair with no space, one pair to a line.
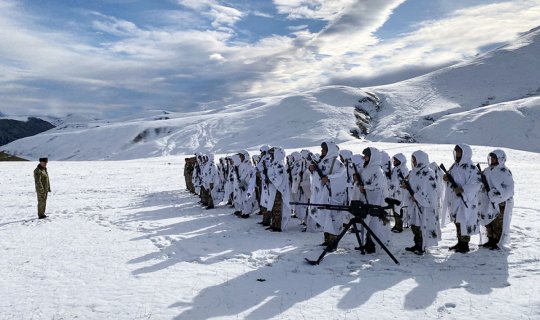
333,168
209,172
443,219
246,171
501,184
375,184
268,191
394,184
349,173
466,176
301,186
279,178
423,182
374,180
197,172
358,161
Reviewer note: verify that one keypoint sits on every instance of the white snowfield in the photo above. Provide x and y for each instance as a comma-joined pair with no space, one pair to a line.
125,241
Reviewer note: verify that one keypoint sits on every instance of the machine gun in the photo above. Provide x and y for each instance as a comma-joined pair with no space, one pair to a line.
359,211
485,182
453,183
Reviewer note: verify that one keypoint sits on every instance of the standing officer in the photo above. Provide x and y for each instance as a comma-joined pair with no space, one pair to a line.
43,187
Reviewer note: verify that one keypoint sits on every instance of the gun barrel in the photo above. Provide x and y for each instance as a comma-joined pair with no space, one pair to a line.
453,183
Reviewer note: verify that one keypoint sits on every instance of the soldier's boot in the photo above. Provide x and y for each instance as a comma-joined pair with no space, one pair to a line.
419,249
326,242
332,245
411,249
489,243
463,248
369,247
494,244
456,246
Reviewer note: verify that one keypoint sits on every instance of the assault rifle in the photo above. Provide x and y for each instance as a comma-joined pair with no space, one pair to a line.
485,182
360,182
453,183
265,172
319,171
359,211
238,179
289,172
409,188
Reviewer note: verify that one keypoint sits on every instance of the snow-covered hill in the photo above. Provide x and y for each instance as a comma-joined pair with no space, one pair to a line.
289,121
501,79
490,100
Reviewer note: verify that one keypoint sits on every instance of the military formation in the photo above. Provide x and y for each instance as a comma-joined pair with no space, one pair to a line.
279,187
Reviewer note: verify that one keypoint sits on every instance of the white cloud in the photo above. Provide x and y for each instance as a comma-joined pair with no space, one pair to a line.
217,57
341,51
178,64
221,15
261,14
312,9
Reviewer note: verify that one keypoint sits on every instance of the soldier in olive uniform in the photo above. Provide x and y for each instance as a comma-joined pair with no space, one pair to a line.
188,173
43,187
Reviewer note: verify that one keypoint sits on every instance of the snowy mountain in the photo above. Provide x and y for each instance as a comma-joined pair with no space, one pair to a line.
289,121
460,103
499,84
11,129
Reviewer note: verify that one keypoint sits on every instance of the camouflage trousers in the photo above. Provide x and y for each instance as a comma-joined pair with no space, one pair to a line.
417,232
189,184
267,216
206,197
42,204
495,228
276,211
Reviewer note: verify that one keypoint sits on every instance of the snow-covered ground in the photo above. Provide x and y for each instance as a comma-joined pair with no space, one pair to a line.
126,241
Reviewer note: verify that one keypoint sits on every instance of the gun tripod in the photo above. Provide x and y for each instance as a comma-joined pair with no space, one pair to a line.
359,212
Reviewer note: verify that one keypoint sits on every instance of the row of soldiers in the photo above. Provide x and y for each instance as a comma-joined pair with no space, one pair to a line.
279,187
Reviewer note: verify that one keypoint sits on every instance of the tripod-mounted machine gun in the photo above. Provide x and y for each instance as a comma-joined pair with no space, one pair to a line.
360,211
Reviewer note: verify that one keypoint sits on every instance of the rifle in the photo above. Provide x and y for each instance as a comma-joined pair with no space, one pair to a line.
265,172
238,177
453,183
360,182
359,211
485,182
289,172
348,177
319,171
388,171
409,188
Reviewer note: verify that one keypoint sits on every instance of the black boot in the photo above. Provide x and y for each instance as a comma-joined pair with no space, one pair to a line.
463,248
456,246
411,249
488,244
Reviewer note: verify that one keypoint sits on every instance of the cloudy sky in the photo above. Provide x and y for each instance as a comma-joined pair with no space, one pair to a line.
112,57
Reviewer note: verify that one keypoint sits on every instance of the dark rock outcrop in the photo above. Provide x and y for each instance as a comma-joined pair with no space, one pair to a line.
11,130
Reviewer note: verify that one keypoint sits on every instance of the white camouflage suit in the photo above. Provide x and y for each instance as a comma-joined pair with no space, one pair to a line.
423,213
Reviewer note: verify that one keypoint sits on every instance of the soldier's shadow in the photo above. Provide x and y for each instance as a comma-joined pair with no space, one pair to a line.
478,272
288,282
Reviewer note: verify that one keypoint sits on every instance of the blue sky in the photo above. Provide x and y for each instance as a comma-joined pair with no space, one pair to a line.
109,58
